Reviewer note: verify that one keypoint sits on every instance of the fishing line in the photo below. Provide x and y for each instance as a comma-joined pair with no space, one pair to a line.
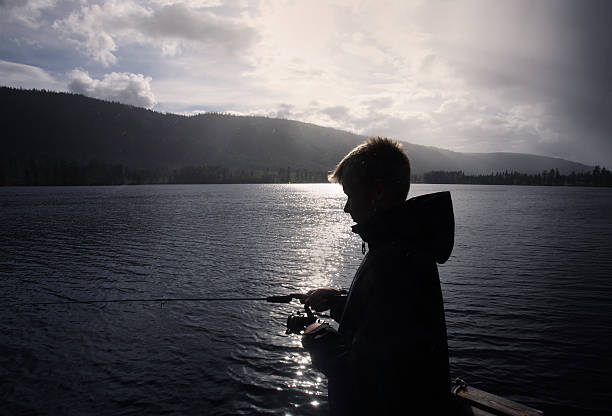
273,299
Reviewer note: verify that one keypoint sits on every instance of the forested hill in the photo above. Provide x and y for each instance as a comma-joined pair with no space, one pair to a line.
49,133
48,125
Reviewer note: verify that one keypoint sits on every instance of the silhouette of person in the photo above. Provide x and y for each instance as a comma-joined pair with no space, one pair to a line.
389,354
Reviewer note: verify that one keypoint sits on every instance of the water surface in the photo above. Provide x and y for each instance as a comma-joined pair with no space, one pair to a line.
527,295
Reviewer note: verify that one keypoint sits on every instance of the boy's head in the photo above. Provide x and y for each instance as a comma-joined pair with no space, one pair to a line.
375,176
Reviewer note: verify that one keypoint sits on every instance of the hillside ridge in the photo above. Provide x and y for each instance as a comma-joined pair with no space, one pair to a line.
43,127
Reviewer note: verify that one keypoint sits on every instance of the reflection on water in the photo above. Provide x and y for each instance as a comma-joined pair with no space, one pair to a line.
526,291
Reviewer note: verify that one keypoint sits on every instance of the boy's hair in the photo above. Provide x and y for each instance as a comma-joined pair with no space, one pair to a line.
377,158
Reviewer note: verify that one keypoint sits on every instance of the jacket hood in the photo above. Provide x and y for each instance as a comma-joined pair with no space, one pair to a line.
426,222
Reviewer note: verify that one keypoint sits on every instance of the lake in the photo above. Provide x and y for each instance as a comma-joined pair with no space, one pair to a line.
527,295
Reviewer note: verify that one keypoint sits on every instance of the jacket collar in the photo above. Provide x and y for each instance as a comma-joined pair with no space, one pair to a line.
379,229
425,222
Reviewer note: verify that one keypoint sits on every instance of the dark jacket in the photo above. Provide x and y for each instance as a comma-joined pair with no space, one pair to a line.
390,354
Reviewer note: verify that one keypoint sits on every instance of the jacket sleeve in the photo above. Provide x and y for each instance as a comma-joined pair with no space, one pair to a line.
338,307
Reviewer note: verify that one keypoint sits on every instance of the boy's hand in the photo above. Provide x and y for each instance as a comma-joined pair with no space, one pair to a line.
321,299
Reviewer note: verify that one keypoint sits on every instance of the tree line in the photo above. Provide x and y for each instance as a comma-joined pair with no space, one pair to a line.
597,177
62,173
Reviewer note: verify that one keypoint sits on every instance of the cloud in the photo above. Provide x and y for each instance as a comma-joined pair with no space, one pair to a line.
338,112
100,30
284,111
469,76
19,75
177,21
100,46
92,28
27,12
134,89
584,104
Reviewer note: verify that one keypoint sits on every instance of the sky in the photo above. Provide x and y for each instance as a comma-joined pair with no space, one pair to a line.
465,75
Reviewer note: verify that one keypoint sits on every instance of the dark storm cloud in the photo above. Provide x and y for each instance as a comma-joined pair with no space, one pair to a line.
587,110
550,58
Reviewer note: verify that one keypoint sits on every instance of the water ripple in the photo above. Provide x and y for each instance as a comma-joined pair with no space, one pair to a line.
526,290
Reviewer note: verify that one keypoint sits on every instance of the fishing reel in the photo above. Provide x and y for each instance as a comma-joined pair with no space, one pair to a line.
298,321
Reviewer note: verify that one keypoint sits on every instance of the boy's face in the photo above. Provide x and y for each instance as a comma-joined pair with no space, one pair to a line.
362,200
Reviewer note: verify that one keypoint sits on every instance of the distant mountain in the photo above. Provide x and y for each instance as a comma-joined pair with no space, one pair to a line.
427,159
43,127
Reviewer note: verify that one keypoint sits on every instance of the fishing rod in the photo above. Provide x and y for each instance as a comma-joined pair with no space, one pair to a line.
273,299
